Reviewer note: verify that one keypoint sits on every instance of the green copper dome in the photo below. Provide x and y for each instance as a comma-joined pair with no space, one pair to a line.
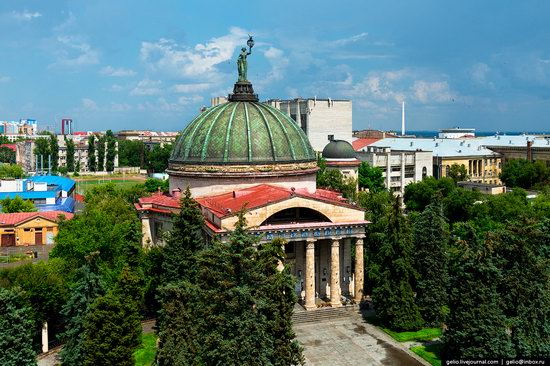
338,149
242,132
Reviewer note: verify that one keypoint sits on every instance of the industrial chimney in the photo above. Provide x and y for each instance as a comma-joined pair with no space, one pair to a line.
403,118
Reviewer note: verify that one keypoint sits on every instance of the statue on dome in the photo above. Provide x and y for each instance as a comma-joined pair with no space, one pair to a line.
242,63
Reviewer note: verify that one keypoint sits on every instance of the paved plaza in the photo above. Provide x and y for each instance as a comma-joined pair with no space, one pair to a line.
351,341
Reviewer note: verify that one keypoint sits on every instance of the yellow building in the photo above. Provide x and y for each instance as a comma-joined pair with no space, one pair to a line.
29,228
481,169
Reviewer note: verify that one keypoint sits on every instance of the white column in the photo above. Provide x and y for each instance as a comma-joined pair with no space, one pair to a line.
310,274
359,269
335,273
45,337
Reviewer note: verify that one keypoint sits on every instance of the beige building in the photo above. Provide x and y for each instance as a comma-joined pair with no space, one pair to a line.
482,164
30,228
245,154
148,137
320,119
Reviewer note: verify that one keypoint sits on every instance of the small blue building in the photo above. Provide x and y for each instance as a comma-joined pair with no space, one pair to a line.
47,192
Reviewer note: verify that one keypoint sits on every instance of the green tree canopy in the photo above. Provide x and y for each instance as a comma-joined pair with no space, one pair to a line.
419,195
524,174
100,147
54,152
431,238
131,153
234,310
111,151
157,157
458,172
92,161
371,177
16,330
112,328
7,155
11,171
16,204
393,294
70,154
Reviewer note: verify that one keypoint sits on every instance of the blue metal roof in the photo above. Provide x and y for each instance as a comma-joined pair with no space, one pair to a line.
65,204
66,184
29,195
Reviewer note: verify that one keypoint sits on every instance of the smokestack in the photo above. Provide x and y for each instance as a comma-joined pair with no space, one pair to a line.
403,118
530,150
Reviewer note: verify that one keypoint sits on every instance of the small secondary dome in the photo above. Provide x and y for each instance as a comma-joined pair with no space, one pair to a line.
338,149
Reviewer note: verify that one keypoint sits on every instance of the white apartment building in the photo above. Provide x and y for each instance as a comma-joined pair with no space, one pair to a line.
399,167
321,119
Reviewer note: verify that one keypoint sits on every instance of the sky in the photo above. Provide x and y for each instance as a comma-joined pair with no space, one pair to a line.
141,64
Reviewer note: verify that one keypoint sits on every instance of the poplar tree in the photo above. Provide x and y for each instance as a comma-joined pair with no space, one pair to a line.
111,151
54,151
92,162
431,238
100,153
69,143
16,329
393,295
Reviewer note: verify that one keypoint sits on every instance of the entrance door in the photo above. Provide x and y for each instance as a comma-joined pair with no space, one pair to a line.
38,237
8,240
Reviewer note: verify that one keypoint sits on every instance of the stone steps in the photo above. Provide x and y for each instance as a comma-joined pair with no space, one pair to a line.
323,314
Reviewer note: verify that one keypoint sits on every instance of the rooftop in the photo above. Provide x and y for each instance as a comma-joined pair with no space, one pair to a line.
10,219
439,147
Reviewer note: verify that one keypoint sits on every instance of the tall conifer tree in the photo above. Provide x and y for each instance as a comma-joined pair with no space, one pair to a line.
393,294
92,161
431,242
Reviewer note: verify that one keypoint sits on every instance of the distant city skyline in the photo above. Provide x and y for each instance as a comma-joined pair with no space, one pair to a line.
152,65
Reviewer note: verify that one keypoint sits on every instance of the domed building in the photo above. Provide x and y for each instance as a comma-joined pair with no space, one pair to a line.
240,144
340,155
247,154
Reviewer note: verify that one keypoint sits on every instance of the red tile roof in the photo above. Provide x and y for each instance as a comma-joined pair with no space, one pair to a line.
361,143
229,203
10,219
9,146
260,195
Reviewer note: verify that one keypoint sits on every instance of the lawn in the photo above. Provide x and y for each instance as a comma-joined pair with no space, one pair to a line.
84,185
426,334
146,354
431,353
14,258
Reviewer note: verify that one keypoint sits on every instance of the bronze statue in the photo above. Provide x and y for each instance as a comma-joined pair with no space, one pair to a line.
242,64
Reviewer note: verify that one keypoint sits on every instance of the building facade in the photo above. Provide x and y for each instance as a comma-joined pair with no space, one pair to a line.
243,154
30,228
399,167
320,119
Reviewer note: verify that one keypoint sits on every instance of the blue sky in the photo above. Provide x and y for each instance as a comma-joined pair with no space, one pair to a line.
152,64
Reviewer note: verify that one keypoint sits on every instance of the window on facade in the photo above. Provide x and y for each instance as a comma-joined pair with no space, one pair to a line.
424,172
395,168
395,179
293,116
447,170
409,171
39,201
290,248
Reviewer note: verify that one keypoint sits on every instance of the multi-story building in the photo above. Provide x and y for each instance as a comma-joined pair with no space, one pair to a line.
16,130
149,138
25,154
399,167
530,147
482,164
456,133
320,119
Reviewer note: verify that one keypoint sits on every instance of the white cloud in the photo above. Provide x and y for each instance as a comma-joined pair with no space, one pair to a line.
198,62
120,72
88,104
429,92
349,40
116,88
189,88
25,15
4,79
278,63
121,107
147,87
75,52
